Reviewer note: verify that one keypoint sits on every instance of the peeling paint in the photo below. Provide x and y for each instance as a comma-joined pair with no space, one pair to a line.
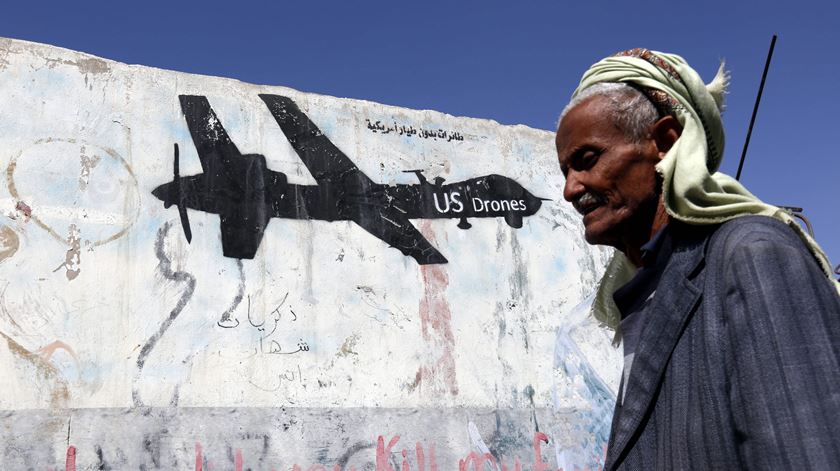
24,208
86,65
5,45
86,165
91,65
348,345
9,242
73,257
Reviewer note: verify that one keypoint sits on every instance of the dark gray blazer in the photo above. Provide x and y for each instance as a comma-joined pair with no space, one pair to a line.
738,363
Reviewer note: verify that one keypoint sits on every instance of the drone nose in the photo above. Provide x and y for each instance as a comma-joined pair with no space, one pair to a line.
165,194
161,193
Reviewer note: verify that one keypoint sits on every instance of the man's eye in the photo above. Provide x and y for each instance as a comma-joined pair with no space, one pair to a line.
587,160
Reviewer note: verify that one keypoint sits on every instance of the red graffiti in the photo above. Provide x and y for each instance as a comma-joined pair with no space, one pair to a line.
421,457
477,461
70,461
539,465
382,453
421,462
473,461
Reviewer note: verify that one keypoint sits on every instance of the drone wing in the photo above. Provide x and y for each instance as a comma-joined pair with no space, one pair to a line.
211,140
393,228
332,168
326,162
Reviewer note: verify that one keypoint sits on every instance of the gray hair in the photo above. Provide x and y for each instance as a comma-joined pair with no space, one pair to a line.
628,107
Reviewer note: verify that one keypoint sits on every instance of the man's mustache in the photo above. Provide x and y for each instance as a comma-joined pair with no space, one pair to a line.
588,201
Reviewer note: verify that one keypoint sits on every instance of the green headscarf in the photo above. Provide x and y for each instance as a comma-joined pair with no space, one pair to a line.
693,190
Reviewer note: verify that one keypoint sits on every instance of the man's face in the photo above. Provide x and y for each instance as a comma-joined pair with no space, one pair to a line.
610,179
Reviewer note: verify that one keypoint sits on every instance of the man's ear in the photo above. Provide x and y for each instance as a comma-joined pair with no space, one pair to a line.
665,133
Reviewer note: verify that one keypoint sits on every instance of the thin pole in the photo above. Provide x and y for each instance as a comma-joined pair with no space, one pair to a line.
755,109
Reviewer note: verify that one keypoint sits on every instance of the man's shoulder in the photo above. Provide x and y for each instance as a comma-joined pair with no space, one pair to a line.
746,231
768,246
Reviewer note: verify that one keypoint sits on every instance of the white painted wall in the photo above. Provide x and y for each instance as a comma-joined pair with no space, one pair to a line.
474,355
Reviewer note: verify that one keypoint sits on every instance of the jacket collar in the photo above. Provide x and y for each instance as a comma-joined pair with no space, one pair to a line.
676,296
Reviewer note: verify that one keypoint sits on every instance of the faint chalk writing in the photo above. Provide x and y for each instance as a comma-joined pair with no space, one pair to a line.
288,376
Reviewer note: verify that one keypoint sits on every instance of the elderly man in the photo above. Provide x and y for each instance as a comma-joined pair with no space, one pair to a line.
729,314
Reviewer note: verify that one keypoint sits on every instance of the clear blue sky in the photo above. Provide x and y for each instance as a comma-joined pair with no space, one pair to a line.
515,62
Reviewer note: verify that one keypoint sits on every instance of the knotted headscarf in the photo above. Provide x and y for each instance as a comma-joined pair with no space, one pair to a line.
693,191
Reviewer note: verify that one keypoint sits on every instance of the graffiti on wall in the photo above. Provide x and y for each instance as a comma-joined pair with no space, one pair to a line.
246,194
388,455
137,335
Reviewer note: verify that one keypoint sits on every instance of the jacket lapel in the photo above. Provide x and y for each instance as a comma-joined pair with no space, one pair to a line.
675,298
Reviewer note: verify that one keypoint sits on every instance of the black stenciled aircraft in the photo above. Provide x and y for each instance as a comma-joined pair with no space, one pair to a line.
246,194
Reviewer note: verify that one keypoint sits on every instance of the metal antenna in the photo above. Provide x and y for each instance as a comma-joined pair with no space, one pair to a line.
755,109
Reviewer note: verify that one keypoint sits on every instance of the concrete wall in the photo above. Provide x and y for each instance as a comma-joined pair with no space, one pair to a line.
126,347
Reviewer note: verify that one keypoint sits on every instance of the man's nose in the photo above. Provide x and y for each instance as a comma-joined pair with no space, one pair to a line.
573,187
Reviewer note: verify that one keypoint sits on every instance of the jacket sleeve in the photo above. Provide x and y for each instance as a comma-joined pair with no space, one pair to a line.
783,360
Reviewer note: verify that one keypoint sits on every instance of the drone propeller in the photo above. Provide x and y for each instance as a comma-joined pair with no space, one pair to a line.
182,208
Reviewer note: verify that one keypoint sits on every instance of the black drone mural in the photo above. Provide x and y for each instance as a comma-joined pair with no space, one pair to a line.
246,194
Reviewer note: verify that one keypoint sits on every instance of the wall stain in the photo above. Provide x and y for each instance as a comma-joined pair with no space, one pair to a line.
5,311
151,445
5,46
48,350
225,320
88,65
25,209
519,287
308,244
9,242
507,438
519,278
437,375
529,392
348,345
60,395
100,459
